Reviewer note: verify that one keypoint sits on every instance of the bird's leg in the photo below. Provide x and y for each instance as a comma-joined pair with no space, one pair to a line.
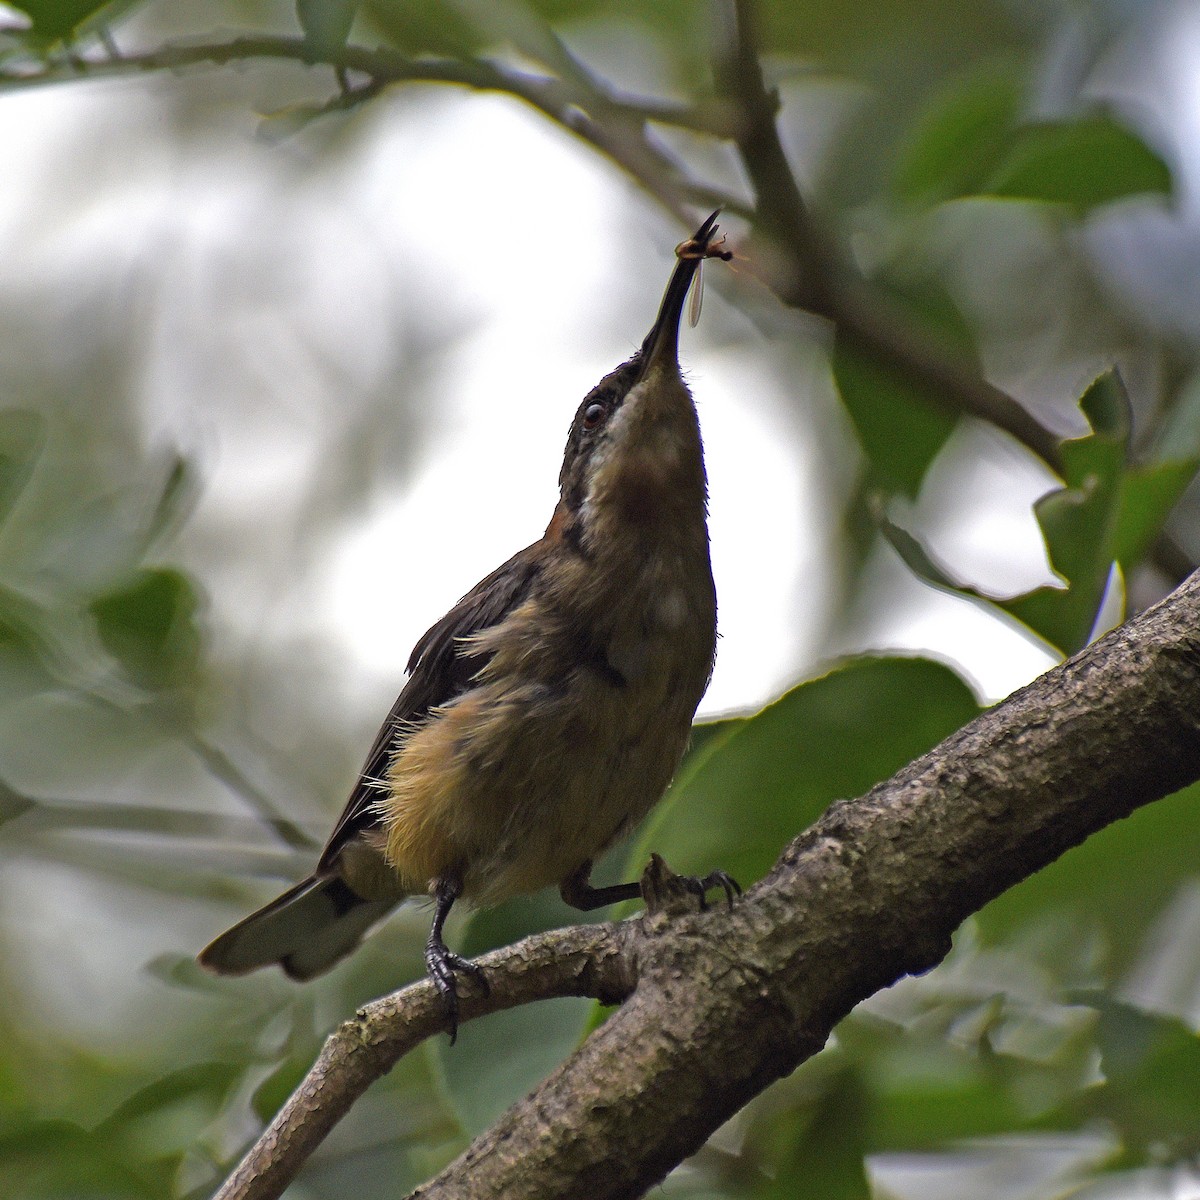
657,880
440,961
579,893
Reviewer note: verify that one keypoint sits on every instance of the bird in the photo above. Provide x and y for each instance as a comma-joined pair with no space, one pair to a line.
546,713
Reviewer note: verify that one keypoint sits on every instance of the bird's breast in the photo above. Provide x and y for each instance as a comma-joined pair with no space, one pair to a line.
570,733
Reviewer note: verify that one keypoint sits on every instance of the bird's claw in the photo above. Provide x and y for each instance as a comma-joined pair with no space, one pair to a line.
714,879
442,963
662,889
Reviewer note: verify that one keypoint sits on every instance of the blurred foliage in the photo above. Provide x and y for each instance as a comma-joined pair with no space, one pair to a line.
899,426
1078,522
145,782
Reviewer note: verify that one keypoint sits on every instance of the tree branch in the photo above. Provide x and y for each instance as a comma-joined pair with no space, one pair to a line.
721,1004
802,269
585,960
807,274
613,124
728,1002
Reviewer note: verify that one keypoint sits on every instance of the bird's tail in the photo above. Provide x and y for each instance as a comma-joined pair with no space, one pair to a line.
306,930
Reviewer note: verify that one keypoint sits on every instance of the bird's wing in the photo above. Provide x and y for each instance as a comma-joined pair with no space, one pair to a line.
440,668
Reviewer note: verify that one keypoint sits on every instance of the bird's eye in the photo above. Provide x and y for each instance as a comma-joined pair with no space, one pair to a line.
593,415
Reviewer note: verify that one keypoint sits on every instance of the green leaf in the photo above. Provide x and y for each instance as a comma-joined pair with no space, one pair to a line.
481,1084
176,499
150,626
270,1095
845,32
1082,164
818,1148
926,1089
1079,522
958,140
1148,494
754,783
58,1158
210,1082
918,560
478,1084
423,28
54,20
1151,1065
899,427
1151,490
1085,526
738,801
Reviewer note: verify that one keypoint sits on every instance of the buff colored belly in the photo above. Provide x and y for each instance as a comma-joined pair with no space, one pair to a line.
515,786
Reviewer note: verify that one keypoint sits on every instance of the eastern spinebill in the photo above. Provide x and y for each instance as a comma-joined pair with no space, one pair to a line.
546,712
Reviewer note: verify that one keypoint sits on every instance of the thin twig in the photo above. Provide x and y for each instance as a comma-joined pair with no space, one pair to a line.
545,92
138,819
612,124
804,273
807,275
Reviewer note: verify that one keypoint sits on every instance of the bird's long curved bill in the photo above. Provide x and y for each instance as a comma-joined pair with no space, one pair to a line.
662,342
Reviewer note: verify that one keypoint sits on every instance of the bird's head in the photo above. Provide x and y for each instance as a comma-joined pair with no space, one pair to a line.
634,453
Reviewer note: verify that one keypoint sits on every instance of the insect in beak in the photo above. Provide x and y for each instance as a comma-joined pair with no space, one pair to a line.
691,248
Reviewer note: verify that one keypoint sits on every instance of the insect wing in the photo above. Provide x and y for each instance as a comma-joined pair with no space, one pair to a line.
696,300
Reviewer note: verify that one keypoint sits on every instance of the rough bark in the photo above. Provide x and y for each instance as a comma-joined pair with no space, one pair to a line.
726,1002
583,961
719,1004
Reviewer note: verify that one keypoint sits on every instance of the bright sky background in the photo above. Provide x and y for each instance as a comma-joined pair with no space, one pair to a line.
491,483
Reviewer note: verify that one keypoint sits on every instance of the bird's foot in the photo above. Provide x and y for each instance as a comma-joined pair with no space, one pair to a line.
714,879
441,962
664,891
